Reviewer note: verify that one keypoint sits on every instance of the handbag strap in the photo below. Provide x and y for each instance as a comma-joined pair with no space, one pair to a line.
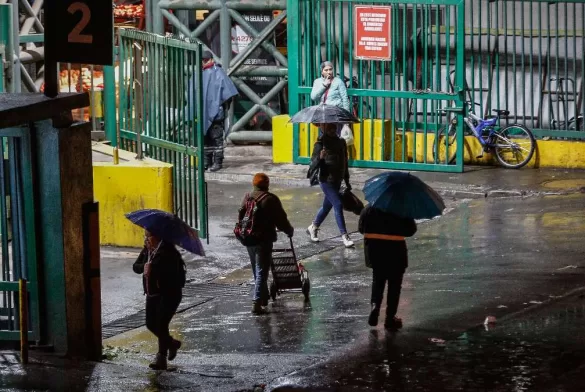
327,92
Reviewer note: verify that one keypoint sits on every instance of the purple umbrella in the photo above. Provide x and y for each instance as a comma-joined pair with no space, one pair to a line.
169,228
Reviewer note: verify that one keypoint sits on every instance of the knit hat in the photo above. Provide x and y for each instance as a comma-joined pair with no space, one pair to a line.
206,55
261,181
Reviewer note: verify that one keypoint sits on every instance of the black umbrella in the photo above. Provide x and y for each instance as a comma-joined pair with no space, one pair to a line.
323,114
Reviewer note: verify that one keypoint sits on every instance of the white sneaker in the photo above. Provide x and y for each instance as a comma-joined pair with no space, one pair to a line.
313,232
347,241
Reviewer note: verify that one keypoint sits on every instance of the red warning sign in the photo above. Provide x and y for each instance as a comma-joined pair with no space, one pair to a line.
373,32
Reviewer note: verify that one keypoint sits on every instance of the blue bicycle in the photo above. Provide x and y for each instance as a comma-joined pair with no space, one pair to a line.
513,145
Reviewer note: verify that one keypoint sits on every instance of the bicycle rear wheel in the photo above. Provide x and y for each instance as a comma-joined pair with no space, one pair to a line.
445,145
514,146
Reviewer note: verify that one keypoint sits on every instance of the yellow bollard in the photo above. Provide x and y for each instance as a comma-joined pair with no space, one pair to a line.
23,310
116,156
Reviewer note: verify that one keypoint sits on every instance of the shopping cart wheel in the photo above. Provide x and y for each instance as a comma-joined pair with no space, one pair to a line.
306,287
273,291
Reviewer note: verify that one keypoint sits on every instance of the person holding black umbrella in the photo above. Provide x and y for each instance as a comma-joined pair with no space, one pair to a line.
163,277
395,199
330,158
386,253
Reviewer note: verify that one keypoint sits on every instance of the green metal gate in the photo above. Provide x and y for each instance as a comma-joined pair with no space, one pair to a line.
18,254
159,104
400,102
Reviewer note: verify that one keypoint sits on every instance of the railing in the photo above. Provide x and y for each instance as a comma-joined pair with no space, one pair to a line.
159,87
528,57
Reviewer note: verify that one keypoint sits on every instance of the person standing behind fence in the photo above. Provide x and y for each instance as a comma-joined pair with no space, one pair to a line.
386,253
328,89
218,91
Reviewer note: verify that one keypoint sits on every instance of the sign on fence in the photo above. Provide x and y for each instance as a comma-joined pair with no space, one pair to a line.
373,32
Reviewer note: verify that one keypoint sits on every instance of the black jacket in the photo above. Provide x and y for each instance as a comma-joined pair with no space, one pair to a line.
375,221
334,167
269,217
165,268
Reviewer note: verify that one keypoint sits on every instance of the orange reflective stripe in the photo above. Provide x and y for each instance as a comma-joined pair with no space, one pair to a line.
387,237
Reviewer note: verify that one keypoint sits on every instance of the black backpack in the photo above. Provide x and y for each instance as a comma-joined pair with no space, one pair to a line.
245,230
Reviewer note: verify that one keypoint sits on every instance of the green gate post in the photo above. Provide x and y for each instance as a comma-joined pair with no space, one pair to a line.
110,105
5,42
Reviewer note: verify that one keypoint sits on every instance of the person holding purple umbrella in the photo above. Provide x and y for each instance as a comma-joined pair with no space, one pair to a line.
163,278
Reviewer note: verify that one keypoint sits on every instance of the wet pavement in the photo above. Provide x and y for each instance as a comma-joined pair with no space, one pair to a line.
519,259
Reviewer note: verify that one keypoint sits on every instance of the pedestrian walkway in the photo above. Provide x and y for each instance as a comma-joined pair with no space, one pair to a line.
485,257
477,181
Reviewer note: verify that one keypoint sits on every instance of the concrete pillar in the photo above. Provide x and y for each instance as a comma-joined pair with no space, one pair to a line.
69,259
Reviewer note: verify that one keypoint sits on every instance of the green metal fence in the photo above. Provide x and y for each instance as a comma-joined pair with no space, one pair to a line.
18,254
528,57
406,93
159,104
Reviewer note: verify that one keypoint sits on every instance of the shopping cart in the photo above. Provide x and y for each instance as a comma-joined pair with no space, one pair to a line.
287,273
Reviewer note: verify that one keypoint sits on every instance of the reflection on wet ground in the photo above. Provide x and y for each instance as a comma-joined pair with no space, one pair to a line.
538,352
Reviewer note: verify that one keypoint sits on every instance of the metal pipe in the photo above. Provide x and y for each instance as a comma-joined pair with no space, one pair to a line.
30,84
251,136
225,27
139,108
33,17
252,31
241,57
175,22
270,70
240,5
110,105
32,55
243,87
205,24
158,23
15,82
260,104
23,313
225,35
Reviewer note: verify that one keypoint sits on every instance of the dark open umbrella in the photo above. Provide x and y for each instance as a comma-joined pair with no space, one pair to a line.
323,114
404,195
169,228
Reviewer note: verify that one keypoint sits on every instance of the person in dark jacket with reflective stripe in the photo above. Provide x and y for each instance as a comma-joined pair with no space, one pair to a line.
269,217
386,253
330,157
162,268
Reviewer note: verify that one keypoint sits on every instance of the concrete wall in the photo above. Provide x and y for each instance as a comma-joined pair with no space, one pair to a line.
126,187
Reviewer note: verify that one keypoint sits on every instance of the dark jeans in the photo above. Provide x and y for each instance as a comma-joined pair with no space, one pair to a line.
213,143
160,310
382,271
260,258
331,200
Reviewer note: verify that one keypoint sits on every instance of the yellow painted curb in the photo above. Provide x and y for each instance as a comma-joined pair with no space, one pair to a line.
549,153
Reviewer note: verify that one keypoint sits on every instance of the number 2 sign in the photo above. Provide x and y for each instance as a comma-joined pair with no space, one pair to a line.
79,31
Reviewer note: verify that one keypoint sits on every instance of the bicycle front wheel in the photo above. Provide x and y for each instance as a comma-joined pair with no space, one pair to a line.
514,146
445,145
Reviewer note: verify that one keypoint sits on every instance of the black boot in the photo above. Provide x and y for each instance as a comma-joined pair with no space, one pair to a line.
160,362
207,160
393,323
217,162
175,345
374,314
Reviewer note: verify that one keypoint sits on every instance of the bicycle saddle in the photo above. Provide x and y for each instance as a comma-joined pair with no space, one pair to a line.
501,112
